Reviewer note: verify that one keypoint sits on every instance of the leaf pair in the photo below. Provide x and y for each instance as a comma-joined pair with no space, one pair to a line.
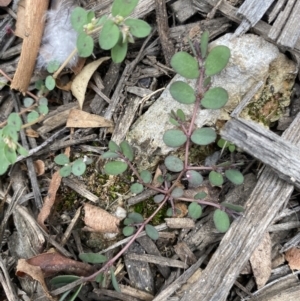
77,167
233,175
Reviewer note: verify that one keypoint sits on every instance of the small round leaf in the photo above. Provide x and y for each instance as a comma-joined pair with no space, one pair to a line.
109,155
43,101
78,167
217,60
78,18
136,217
200,195
44,110
151,232
32,116
215,98
28,101
92,257
128,230
215,178
61,159
127,150
204,136
146,176
128,221
195,210
182,92
221,220
180,115
123,7
234,176
85,45
115,167
185,65
113,146
22,151
138,28
177,192
174,138
65,171
15,121
109,35
10,154
194,178
50,82
4,162
158,198
119,51
53,66
174,164
136,188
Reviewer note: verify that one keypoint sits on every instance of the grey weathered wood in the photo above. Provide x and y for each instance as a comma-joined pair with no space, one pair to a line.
245,233
280,20
291,31
276,9
183,10
273,150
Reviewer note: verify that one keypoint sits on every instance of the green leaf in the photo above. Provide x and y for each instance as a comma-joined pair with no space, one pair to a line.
99,278
146,176
39,84
78,167
119,51
44,110
53,66
217,60
32,116
194,178
62,280
10,154
11,132
174,138
102,20
123,7
136,217
61,159
28,101
136,188
195,210
200,195
115,167
151,232
182,92
138,28
231,147
158,198
128,221
180,115
174,121
215,98
109,155
207,81
128,230
114,281
221,220
234,176
22,151
75,294
185,65
109,35
174,164
92,257
15,121
215,178
43,101
177,192
50,82
85,45
113,146
127,150
79,18
90,15
4,162
65,171
204,136
236,208
204,43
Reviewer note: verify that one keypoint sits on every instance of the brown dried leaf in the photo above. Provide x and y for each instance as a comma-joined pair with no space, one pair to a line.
81,119
80,82
39,167
261,261
99,220
4,3
53,263
32,133
35,272
292,256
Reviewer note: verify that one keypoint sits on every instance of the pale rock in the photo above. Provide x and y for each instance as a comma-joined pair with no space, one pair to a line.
252,59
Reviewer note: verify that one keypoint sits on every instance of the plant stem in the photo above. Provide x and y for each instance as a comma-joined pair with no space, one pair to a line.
64,64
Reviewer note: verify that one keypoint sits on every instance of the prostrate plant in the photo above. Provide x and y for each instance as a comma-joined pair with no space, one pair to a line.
201,67
116,29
